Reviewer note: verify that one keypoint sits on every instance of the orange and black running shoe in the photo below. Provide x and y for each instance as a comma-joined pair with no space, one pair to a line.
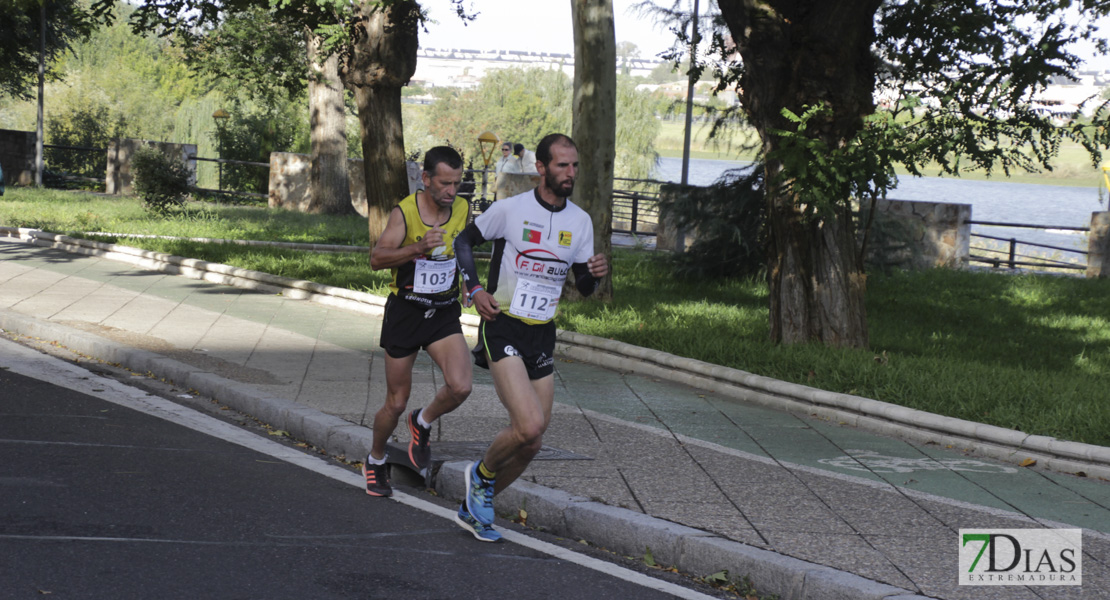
419,451
377,479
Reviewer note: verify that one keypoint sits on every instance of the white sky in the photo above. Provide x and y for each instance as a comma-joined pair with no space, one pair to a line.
545,26
531,25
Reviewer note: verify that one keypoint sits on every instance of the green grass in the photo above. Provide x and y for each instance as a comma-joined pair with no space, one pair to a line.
1024,352
65,212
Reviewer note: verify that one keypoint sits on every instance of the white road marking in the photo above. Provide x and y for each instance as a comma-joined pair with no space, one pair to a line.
31,363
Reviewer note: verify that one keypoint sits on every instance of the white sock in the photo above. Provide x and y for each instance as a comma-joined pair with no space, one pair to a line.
421,421
370,460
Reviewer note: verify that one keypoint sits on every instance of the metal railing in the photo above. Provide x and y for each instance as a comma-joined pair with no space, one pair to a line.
70,176
636,211
1010,256
635,202
219,181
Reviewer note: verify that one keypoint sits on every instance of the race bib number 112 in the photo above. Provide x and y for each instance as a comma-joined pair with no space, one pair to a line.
535,300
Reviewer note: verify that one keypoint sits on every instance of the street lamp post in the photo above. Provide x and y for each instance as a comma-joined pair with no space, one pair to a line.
220,116
695,34
487,141
42,79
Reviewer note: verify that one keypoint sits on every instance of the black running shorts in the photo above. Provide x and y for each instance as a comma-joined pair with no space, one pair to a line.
534,344
408,327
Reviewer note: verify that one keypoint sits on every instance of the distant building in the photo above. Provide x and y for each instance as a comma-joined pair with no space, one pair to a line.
456,67
465,68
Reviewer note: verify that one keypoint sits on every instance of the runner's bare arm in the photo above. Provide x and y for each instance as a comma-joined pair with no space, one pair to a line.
388,252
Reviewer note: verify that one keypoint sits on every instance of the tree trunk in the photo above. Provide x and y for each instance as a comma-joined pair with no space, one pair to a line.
595,120
816,277
383,153
328,188
797,54
382,60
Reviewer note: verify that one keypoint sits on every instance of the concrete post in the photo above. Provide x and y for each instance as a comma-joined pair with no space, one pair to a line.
117,176
1098,246
920,235
17,155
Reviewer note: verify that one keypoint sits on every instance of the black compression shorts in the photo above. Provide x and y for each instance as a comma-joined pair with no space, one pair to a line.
408,327
534,344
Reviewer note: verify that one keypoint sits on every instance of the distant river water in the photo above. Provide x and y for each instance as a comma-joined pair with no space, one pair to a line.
1047,205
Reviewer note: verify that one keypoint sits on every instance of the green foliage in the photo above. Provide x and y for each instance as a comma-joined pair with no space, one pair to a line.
120,84
823,175
86,123
666,72
255,51
144,81
162,182
251,134
985,63
729,218
522,106
636,131
67,22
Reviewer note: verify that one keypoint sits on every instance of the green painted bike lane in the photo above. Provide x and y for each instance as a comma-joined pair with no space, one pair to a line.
838,449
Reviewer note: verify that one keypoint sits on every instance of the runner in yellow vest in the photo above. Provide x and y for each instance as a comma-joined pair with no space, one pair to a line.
422,310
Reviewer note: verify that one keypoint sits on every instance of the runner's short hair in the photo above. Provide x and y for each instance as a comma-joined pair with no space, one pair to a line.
543,151
441,154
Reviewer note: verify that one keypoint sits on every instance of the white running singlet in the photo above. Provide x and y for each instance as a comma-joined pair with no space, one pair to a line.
535,245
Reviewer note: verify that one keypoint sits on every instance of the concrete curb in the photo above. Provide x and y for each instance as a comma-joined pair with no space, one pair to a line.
693,551
620,530
872,415
335,248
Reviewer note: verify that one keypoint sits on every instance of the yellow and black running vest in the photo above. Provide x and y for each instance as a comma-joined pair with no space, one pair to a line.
431,280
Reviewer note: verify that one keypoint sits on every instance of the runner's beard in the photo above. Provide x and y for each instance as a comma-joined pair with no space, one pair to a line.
562,190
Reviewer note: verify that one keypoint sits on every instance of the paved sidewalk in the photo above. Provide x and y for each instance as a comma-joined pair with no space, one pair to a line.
807,507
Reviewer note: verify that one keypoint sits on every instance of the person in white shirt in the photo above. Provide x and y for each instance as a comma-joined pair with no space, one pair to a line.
526,158
539,238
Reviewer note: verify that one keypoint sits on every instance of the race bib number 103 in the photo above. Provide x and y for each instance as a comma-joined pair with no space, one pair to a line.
433,276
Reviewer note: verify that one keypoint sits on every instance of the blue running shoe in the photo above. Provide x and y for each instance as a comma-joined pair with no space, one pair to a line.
484,533
479,496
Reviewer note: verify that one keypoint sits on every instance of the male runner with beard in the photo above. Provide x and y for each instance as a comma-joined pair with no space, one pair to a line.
539,237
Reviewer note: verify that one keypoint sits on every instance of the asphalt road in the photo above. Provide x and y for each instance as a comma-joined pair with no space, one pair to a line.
103,500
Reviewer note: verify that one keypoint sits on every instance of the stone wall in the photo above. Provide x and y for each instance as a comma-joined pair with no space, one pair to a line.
289,174
118,177
511,184
918,235
905,234
17,156
1098,246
